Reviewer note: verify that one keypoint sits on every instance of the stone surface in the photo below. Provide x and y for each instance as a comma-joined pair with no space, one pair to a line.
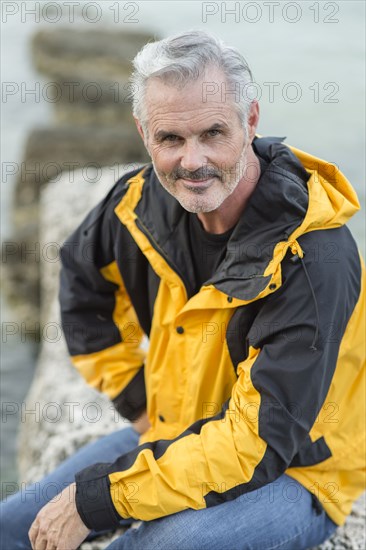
87,74
49,153
90,54
50,436
65,414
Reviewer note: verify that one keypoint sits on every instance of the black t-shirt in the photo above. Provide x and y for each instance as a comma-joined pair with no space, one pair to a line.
208,249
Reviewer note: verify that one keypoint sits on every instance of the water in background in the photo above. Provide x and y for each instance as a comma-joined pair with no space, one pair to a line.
307,58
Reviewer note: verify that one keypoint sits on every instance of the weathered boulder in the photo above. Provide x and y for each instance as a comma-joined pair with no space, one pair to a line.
52,151
93,127
68,412
53,433
89,72
86,53
49,153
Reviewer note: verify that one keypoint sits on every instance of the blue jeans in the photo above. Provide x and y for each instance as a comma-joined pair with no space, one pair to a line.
282,515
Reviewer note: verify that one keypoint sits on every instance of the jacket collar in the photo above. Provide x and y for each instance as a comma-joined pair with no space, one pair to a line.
275,209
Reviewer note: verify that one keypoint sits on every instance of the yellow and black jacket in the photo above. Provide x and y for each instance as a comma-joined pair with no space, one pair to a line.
261,372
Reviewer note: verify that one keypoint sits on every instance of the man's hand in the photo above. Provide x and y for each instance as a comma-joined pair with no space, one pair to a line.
58,525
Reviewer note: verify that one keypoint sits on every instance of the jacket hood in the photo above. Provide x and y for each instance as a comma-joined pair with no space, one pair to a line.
332,199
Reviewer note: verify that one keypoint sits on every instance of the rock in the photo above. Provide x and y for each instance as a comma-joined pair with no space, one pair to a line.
93,126
352,535
51,435
92,55
20,272
90,70
66,408
53,432
51,151
98,104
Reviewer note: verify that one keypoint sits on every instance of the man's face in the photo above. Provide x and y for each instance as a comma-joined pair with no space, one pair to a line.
197,144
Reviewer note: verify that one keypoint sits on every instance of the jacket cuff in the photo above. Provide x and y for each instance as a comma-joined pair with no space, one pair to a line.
131,402
93,500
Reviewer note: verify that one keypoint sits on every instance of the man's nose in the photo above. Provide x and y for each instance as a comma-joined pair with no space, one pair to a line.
192,156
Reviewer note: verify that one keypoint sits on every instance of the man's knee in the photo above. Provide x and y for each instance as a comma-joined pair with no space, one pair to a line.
17,514
12,534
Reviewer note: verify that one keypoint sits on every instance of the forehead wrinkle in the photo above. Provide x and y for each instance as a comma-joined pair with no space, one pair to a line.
163,108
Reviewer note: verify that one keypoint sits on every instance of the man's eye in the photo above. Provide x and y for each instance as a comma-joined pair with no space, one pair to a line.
213,133
170,137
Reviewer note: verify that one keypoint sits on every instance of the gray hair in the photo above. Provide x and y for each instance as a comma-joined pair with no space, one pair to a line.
182,58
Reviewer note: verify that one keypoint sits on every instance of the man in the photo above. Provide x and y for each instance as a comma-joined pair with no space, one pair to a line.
230,252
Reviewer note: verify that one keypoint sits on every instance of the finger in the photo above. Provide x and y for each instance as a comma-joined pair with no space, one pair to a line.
51,545
32,533
40,542
52,540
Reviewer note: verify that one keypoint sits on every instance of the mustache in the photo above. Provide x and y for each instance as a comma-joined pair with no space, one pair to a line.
202,173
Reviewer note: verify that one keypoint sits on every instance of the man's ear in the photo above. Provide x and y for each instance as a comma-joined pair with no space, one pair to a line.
253,119
139,129
142,134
